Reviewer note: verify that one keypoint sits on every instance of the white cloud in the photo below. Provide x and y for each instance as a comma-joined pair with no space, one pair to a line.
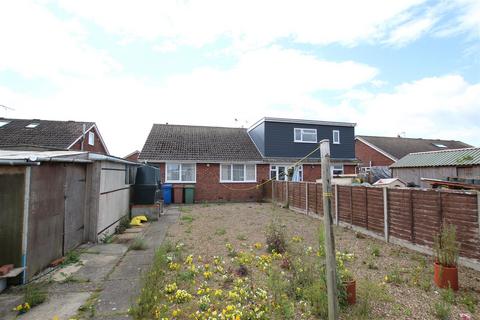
436,107
410,31
251,23
36,43
266,82
467,19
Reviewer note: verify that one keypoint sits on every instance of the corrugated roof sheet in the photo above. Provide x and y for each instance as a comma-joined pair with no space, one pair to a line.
458,157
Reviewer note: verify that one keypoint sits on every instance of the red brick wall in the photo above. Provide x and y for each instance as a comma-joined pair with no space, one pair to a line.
97,147
366,154
312,172
133,156
209,188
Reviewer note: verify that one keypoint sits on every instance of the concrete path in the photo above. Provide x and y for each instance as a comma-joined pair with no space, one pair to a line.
123,284
105,285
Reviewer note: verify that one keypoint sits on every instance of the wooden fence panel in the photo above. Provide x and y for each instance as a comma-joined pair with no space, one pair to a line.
312,197
375,210
344,204
427,215
359,205
461,211
399,214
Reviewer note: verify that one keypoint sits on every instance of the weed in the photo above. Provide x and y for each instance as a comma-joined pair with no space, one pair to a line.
394,277
442,310
107,237
205,204
87,310
448,296
375,251
138,244
275,237
187,218
469,301
185,209
72,257
421,276
241,237
72,279
220,232
35,294
369,293
123,225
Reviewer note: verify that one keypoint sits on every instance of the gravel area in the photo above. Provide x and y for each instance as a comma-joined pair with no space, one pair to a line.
396,281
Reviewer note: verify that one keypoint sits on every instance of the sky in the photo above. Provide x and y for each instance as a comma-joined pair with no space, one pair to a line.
408,67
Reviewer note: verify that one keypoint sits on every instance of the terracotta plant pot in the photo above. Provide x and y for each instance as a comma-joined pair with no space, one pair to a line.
445,277
351,288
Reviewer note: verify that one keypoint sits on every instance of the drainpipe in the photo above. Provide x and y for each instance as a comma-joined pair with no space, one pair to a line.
26,210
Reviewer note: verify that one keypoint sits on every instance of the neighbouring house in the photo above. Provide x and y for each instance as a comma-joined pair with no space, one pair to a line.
226,164
52,201
35,134
376,154
448,165
390,183
133,156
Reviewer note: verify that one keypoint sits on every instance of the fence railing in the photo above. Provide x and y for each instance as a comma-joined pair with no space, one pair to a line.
412,216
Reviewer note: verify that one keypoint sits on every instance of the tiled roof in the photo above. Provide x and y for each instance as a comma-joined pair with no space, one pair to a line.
399,147
459,157
199,143
48,133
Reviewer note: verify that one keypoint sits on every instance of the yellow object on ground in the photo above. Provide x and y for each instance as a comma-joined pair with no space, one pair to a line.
142,218
135,222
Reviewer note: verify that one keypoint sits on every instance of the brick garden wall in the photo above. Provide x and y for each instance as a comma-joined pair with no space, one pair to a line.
412,215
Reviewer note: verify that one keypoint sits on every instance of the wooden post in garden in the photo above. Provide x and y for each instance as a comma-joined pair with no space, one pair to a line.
329,236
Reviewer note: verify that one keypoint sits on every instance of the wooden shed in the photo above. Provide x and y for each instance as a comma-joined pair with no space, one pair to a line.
52,201
443,165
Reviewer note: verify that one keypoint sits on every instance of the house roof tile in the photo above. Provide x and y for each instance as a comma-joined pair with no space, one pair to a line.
399,147
47,134
198,143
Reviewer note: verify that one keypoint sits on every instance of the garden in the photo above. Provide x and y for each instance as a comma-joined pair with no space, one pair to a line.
259,261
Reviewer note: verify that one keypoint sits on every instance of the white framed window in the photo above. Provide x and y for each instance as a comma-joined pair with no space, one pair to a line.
337,169
336,136
32,125
91,138
280,172
305,135
180,172
232,172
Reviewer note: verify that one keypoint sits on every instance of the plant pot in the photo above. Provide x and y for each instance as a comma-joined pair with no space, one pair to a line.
445,277
351,289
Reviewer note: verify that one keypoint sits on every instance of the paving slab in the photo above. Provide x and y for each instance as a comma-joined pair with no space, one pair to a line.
7,303
64,306
128,271
117,296
138,258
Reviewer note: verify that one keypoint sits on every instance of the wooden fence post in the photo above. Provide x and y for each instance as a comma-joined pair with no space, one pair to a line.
306,198
351,205
336,204
287,200
273,191
329,236
385,214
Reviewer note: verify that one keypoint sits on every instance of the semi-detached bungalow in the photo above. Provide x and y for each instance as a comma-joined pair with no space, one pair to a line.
226,164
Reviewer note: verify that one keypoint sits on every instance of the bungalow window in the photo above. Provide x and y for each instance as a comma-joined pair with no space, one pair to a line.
91,138
238,173
336,136
305,135
280,172
337,169
180,172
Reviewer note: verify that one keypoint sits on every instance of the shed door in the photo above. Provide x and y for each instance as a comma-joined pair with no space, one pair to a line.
12,187
75,185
